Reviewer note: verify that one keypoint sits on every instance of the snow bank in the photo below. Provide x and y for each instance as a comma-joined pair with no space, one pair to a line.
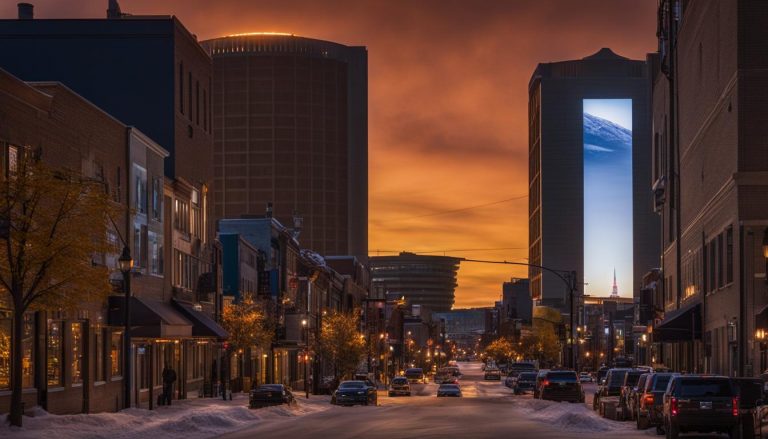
195,419
568,416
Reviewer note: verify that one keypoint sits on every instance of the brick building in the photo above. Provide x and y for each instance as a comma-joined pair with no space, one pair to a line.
710,177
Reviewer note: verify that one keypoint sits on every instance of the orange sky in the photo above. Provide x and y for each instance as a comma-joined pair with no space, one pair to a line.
448,102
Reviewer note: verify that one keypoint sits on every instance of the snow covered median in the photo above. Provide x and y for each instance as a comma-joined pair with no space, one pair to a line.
567,416
192,419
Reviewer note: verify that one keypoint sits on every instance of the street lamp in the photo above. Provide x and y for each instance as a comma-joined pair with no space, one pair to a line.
125,262
305,326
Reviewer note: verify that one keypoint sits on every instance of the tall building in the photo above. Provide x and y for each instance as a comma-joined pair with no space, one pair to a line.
710,177
429,281
516,301
291,128
590,164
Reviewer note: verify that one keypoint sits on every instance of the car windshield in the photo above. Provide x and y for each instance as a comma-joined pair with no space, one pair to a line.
352,385
399,381
414,372
617,378
700,387
523,366
269,388
660,384
633,377
527,376
562,377
449,387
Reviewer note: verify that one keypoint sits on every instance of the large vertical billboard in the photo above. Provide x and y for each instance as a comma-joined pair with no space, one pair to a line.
607,196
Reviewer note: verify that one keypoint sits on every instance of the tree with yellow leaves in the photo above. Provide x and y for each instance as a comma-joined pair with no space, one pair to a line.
341,342
247,323
500,350
57,224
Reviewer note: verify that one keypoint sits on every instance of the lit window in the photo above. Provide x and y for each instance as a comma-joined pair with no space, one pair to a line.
77,353
54,361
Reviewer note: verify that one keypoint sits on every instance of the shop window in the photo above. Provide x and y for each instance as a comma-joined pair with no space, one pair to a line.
116,354
54,361
77,353
99,345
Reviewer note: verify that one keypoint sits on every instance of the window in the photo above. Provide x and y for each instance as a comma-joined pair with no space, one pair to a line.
197,222
116,353
181,87
197,103
720,265
99,345
54,360
5,349
77,353
189,93
155,253
157,198
13,160
713,265
140,188
181,216
140,246
729,255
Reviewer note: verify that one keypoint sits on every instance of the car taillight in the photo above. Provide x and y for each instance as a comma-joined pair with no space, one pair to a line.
673,406
735,406
648,399
545,383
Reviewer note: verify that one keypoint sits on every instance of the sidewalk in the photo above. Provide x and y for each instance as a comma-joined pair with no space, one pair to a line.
187,419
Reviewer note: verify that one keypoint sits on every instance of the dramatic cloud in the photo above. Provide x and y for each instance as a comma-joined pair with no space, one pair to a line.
448,93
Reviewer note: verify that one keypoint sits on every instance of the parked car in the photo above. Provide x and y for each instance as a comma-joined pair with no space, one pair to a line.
750,393
601,373
585,377
631,380
354,392
539,378
452,370
270,394
415,375
327,385
399,386
561,385
633,395
449,390
524,382
702,404
611,386
650,403
492,374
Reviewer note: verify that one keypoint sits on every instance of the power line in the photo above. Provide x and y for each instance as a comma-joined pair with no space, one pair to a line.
451,251
462,209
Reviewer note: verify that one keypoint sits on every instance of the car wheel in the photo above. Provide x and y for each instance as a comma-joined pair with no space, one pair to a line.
642,423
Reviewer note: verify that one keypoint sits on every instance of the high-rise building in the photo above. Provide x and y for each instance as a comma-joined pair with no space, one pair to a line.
291,128
590,164
429,281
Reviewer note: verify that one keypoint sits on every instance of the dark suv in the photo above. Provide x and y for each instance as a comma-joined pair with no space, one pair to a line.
701,403
614,380
562,385
631,380
631,395
651,401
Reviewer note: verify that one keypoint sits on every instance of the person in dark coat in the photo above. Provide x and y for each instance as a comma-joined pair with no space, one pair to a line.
169,377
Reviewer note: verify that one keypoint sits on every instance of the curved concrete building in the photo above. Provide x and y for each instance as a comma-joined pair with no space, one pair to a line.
429,281
291,128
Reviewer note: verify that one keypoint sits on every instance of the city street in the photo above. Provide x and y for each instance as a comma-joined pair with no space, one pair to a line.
487,410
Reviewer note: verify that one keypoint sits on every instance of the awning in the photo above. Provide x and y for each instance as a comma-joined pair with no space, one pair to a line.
149,318
202,324
682,324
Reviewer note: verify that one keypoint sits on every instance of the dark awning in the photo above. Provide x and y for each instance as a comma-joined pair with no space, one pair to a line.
682,324
149,318
202,324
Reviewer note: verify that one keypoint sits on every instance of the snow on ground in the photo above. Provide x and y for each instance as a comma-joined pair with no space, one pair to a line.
189,419
567,416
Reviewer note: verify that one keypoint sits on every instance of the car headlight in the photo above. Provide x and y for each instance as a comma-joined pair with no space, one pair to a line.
361,393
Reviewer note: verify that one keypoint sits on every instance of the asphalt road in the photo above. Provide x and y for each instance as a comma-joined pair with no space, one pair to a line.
487,410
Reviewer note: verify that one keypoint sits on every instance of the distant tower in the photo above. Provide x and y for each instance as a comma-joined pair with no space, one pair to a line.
615,290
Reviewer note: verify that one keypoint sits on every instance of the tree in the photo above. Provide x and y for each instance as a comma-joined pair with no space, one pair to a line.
542,344
341,342
500,350
58,223
247,323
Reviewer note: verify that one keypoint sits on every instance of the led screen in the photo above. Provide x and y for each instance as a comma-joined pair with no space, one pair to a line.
607,196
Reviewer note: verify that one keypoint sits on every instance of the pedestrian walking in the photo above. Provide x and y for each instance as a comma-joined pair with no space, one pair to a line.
169,378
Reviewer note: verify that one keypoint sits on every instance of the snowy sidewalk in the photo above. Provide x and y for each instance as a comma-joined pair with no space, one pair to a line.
188,419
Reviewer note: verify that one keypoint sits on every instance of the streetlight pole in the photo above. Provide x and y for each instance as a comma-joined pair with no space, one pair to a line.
305,326
126,264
